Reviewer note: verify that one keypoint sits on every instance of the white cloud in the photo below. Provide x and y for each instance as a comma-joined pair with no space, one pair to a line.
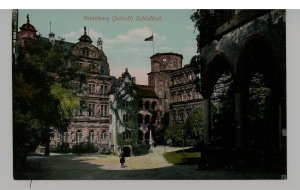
135,35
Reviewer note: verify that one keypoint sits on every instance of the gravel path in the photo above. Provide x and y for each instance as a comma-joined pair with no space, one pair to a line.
150,161
150,166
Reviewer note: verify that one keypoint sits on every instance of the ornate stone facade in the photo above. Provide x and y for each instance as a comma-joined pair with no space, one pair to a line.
91,122
183,96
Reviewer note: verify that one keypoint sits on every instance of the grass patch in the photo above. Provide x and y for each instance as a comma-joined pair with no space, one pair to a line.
179,157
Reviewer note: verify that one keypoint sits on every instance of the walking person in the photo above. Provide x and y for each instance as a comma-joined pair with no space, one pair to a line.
122,159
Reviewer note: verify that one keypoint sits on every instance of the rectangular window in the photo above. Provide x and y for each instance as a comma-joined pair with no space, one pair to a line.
102,90
127,104
105,110
102,110
125,118
181,117
65,137
90,88
91,109
126,135
105,89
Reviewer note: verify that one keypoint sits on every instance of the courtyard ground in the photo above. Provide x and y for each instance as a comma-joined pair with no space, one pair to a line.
150,166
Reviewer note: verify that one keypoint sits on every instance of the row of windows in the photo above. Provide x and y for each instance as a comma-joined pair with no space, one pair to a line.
144,119
85,52
184,96
184,79
147,105
79,137
92,111
103,89
141,119
92,88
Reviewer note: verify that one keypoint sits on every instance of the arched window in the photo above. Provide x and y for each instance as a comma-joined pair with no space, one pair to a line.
153,105
91,136
65,137
78,136
103,135
51,134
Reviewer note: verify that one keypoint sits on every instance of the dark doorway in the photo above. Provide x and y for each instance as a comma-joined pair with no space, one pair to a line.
127,151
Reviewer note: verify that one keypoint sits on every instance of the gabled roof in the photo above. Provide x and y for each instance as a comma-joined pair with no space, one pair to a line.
145,91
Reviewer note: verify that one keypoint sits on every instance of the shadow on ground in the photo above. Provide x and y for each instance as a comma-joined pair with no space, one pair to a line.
68,167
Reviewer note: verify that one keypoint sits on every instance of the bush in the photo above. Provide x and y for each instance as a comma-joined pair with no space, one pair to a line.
84,148
141,149
106,151
63,148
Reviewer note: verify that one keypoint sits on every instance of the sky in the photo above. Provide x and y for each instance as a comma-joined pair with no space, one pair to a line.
123,40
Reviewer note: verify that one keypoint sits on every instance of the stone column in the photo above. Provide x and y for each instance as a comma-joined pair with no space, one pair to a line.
238,119
206,121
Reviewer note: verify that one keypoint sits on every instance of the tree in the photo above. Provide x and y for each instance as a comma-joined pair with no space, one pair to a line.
174,132
40,97
194,123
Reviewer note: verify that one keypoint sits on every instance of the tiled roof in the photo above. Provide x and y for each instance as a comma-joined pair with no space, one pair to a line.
145,91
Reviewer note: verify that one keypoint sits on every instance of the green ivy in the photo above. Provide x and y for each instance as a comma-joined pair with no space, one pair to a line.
131,110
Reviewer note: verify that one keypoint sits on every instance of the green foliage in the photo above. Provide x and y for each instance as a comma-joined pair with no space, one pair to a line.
174,132
26,135
194,123
63,148
40,100
84,148
177,157
127,93
222,112
140,149
207,21
67,101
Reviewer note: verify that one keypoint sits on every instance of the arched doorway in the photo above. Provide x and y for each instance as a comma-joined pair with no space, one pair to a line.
127,150
262,84
219,113
222,111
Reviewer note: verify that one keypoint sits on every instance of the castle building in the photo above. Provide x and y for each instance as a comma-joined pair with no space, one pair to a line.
162,64
135,113
27,31
183,96
95,122
91,122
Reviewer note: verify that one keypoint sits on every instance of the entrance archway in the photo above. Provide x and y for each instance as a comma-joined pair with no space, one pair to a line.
262,84
127,150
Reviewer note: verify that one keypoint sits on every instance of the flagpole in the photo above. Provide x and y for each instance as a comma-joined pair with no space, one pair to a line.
153,43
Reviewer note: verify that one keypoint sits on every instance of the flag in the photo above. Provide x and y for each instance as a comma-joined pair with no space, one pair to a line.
149,38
